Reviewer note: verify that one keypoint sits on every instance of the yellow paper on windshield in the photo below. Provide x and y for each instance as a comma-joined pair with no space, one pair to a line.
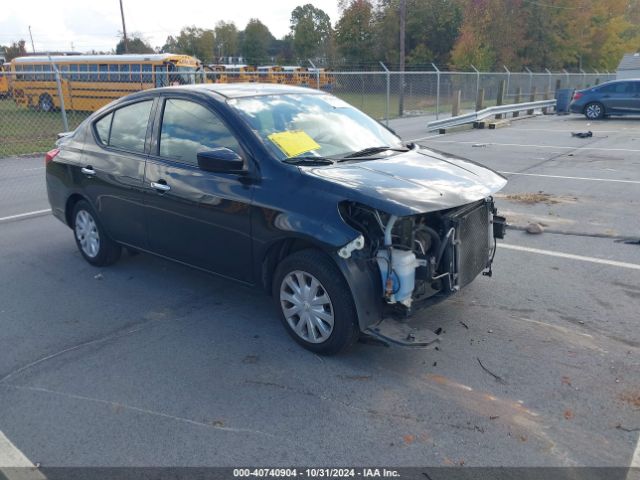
293,142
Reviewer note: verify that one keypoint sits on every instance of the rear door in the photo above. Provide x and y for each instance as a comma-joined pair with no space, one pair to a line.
618,97
197,217
111,171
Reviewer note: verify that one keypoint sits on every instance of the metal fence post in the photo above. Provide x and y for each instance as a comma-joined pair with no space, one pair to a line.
317,73
567,75
506,93
437,90
584,78
549,85
530,78
386,108
63,111
477,81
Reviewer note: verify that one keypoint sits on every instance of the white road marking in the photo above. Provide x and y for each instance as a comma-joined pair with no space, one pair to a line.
634,472
32,169
423,138
14,465
573,178
562,131
557,147
570,256
25,215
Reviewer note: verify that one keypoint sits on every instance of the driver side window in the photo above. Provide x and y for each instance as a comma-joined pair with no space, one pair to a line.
189,128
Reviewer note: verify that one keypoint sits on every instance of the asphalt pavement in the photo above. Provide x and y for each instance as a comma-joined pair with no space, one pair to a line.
149,363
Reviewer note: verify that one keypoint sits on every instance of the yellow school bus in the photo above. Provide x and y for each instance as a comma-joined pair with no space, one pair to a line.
270,74
294,75
88,82
4,81
240,73
319,77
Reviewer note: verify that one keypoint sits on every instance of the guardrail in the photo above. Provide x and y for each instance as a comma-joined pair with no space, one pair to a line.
488,112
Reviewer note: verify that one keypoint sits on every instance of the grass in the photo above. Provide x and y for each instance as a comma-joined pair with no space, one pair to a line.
24,131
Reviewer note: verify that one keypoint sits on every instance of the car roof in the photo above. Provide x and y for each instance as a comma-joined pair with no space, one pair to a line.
238,90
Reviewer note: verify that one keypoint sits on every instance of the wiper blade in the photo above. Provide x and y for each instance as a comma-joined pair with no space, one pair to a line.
365,152
309,160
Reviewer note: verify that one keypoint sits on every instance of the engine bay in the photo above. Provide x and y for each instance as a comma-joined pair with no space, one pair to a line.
425,255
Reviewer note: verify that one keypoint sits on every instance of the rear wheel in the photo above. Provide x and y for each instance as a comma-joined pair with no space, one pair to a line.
594,111
94,245
315,302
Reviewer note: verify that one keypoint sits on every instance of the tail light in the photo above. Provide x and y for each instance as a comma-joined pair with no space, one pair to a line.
51,154
577,95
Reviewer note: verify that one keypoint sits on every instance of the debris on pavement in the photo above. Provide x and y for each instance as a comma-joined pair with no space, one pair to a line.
498,378
464,325
534,228
625,429
98,277
588,134
568,414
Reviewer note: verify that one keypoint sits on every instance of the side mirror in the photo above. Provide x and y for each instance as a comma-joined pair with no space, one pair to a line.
220,160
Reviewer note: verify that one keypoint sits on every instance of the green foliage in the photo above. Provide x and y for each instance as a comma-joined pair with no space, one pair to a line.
311,31
256,42
16,49
355,32
553,34
136,44
194,41
226,37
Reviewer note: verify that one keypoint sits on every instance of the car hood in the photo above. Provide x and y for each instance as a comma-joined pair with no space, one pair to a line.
418,181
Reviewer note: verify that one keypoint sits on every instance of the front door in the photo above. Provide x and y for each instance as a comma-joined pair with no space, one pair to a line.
197,217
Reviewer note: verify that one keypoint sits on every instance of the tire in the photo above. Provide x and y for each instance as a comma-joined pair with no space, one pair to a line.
594,111
311,327
92,241
45,103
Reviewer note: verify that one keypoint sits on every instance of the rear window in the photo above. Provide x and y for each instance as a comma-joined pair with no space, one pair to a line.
126,127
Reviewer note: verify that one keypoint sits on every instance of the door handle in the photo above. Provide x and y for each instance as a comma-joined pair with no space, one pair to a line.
161,186
88,170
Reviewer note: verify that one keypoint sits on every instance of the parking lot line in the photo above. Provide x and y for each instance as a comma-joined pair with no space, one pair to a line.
14,465
24,215
571,256
572,178
558,147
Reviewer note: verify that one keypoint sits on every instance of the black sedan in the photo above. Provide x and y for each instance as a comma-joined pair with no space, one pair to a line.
286,188
620,97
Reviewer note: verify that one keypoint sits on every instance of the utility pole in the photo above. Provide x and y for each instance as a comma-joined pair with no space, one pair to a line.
33,47
124,30
403,21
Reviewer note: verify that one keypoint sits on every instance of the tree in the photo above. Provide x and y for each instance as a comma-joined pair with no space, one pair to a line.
227,44
136,44
311,31
16,49
256,42
355,32
194,41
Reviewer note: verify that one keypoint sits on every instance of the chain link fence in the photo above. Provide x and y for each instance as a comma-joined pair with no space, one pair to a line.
36,106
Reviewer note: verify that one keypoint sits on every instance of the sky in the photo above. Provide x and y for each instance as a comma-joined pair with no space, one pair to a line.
95,25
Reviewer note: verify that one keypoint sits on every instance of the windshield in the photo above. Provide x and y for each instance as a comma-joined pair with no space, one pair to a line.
183,75
316,125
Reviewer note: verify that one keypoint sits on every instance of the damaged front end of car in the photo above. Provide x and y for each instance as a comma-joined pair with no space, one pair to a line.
418,260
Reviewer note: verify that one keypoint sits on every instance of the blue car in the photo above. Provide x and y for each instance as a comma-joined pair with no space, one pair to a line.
619,97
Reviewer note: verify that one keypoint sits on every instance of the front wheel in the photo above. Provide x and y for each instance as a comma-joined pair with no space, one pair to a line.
594,111
45,104
92,241
315,302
